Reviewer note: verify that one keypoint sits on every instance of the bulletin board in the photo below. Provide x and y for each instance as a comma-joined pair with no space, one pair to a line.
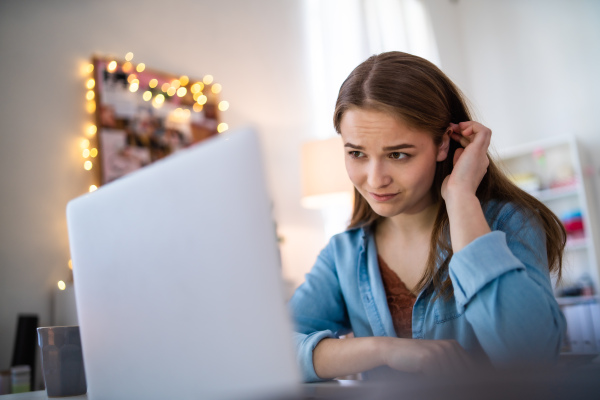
143,115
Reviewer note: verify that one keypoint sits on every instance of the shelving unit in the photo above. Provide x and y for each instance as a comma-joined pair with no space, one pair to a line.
557,172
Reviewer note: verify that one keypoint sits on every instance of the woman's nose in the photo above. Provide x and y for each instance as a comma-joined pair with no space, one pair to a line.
378,176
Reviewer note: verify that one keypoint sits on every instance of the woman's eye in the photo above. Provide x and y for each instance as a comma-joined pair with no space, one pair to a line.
355,154
398,156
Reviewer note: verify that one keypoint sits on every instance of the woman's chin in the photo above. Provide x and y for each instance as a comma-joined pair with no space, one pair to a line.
385,211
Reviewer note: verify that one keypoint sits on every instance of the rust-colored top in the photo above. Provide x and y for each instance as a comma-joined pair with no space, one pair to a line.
400,300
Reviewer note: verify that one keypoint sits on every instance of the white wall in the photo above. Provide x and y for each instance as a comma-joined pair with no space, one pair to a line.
529,66
253,48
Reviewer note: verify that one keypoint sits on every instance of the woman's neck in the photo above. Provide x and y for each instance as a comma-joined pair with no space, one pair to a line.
410,225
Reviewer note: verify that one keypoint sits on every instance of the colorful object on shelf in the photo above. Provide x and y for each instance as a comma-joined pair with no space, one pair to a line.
573,222
527,181
540,156
563,176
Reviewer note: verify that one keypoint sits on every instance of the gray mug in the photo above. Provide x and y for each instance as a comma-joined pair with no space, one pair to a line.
62,361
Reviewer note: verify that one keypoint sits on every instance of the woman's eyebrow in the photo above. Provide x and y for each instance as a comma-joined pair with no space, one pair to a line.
388,148
399,147
354,146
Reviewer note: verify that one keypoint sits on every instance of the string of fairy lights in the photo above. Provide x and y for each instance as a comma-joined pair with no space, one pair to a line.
153,94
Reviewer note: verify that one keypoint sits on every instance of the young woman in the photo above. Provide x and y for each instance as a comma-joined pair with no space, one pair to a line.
446,264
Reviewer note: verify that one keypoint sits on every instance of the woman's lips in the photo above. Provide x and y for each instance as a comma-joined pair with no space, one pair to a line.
383,197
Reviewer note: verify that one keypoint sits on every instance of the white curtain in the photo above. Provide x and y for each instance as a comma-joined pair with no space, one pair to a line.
340,34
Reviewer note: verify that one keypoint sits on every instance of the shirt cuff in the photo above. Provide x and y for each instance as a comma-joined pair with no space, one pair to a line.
305,344
480,262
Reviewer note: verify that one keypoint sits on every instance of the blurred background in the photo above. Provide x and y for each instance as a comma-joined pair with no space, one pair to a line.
529,68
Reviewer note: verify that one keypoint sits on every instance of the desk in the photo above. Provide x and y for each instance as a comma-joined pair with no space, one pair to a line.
38,395
319,390
578,383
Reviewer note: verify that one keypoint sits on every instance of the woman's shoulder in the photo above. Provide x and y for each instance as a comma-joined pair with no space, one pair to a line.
347,244
352,237
506,214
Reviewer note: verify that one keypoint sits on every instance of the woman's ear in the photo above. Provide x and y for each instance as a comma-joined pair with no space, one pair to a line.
444,146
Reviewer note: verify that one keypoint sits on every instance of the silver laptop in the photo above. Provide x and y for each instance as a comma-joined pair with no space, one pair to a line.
177,280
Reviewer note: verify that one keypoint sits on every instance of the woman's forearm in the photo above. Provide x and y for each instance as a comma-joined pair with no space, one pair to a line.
339,357
467,221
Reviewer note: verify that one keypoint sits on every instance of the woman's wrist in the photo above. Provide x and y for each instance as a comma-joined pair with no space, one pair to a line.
466,217
383,349
459,198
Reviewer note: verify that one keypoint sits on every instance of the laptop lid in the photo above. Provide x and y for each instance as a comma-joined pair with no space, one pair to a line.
178,282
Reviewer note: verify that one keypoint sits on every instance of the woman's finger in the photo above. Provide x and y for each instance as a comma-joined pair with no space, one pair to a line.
464,142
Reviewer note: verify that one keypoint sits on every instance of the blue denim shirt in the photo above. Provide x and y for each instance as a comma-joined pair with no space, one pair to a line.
502,311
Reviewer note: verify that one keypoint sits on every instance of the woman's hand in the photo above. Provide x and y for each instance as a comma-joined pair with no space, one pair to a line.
471,162
431,357
467,221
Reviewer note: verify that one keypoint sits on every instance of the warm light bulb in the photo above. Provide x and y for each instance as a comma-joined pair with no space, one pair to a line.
112,66
160,98
93,152
147,95
196,95
207,79
93,188
85,144
216,88
91,106
90,68
91,130
184,80
222,127
131,77
89,95
86,153
87,165
171,91
71,261
129,56
197,107
90,83
165,86
195,88
153,82
140,67
62,285
224,105
181,91
175,83
127,67
202,100
134,87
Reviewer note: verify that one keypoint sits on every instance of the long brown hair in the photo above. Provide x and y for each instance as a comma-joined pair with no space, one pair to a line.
416,91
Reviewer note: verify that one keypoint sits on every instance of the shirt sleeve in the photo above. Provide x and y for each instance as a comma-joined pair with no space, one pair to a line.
501,281
318,310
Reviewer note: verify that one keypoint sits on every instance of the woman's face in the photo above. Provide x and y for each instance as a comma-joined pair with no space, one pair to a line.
391,164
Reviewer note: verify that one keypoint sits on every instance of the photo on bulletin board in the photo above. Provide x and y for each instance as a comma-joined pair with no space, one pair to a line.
143,115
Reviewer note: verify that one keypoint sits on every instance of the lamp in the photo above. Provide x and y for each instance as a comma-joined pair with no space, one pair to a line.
325,183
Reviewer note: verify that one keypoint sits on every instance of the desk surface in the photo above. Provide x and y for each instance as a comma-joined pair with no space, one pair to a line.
578,383
37,395
41,394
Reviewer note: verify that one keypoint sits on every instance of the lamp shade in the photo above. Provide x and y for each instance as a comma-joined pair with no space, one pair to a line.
325,182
